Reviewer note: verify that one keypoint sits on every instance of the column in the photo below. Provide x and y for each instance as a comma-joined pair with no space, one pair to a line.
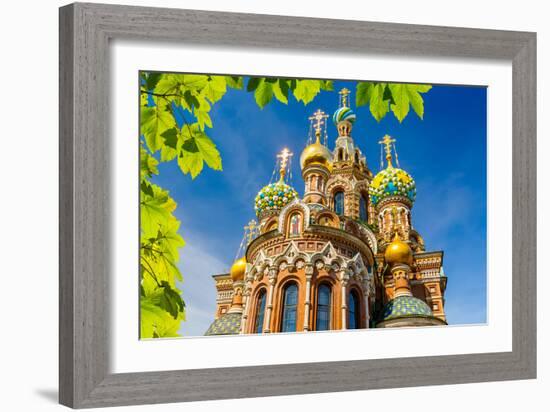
366,296
307,303
246,306
269,306
344,278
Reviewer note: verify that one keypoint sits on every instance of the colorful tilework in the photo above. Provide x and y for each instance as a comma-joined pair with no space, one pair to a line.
228,324
404,306
392,182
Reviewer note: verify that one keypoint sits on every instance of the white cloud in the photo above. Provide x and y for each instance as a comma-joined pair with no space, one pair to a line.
198,264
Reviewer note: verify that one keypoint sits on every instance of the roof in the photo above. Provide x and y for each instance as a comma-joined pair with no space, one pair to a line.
227,324
406,306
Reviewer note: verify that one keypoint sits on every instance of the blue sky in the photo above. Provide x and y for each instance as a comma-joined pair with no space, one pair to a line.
445,153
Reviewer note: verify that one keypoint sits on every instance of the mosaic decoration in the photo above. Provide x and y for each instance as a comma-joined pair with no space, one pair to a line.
274,196
392,182
404,306
228,324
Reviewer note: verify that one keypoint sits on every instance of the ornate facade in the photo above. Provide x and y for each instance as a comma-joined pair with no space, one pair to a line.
344,256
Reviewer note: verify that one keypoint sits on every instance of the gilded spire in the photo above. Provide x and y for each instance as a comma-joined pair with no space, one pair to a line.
387,142
318,119
344,97
284,157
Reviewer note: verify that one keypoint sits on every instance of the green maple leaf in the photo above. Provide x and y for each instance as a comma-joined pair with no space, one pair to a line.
209,151
153,214
235,82
327,85
168,84
203,118
215,88
197,148
407,95
416,99
193,81
190,101
280,90
147,163
155,322
154,122
151,80
362,93
168,298
168,150
306,90
156,210
263,93
378,106
253,83
190,162
400,107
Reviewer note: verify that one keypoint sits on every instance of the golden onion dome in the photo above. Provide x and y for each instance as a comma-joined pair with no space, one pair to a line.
398,252
238,269
315,153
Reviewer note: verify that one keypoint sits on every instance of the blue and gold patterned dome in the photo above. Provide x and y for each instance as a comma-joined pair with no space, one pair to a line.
405,306
227,324
343,113
392,182
274,197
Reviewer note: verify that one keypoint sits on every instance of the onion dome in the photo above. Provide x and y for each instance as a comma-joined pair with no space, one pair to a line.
238,269
344,117
316,153
343,114
391,181
398,252
275,196
227,324
405,306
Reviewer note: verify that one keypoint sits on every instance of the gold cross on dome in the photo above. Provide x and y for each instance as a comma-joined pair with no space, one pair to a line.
284,156
320,117
387,142
344,97
250,230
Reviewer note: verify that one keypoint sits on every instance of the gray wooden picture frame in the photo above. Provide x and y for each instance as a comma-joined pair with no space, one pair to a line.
85,32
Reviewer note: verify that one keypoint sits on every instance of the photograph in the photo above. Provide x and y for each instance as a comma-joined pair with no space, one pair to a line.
278,205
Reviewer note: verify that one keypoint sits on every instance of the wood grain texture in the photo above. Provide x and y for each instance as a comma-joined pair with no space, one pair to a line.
85,31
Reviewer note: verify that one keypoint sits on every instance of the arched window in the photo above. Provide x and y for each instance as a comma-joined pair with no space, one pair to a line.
353,310
339,203
356,156
323,308
340,154
290,301
319,184
260,310
363,211
295,223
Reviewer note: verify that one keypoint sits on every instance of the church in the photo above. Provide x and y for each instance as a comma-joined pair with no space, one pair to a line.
344,256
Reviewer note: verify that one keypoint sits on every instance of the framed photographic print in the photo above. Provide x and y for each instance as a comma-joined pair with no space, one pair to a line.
260,205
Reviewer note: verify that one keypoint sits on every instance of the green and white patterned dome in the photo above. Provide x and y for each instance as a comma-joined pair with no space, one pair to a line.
405,306
342,114
274,197
392,182
227,324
